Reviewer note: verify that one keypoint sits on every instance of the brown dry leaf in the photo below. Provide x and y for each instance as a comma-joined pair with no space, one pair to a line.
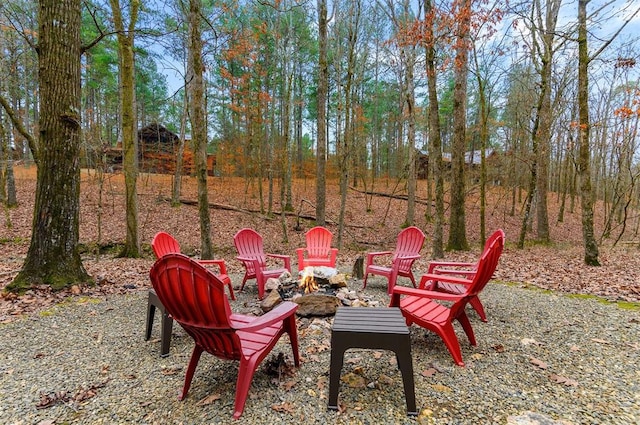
289,384
600,341
538,362
48,400
476,356
563,380
441,388
322,383
285,407
358,370
171,370
353,360
353,380
377,354
574,348
209,399
386,380
429,372
499,348
38,355
105,369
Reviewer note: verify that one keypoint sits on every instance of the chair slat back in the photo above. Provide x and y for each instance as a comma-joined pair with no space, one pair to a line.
484,272
409,242
163,243
249,244
195,298
318,242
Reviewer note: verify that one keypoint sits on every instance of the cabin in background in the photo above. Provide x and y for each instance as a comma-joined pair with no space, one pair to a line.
157,152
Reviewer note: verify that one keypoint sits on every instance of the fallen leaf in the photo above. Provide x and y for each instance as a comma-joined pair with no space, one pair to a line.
441,388
529,341
358,370
285,407
574,348
353,360
288,385
208,400
353,380
429,372
46,422
600,341
499,348
377,354
563,380
538,362
386,380
171,370
476,356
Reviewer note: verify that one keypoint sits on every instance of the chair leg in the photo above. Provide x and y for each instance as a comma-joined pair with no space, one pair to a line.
364,284
165,339
448,335
245,375
477,306
292,330
466,325
151,309
233,297
195,357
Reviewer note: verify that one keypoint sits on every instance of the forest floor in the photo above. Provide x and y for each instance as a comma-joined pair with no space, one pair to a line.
372,223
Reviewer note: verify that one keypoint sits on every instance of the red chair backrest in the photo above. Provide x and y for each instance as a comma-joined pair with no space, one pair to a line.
163,244
410,242
249,244
318,242
487,264
484,272
195,298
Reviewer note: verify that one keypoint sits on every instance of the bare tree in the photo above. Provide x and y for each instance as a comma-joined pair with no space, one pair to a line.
128,121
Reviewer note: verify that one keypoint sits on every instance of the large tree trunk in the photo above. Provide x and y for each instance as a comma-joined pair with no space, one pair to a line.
53,257
584,160
457,227
128,122
198,125
323,87
435,145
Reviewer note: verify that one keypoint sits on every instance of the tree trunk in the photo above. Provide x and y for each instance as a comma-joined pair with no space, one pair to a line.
457,229
129,123
435,145
198,125
584,160
53,257
323,87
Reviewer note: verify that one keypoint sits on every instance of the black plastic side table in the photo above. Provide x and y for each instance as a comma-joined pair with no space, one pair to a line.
166,322
381,328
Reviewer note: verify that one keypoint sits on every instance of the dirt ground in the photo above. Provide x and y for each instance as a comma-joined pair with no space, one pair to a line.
372,223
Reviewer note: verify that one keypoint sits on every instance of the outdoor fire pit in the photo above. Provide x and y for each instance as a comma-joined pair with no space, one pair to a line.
318,291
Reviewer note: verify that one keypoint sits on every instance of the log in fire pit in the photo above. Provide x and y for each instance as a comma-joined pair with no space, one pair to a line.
318,291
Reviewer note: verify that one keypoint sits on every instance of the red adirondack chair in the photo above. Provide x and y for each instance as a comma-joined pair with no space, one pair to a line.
407,250
318,251
195,299
424,307
460,269
163,243
251,252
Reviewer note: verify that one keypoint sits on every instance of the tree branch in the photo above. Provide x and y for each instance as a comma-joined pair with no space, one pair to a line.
17,123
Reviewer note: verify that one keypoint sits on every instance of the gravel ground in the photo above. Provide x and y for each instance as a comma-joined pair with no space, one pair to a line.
542,356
